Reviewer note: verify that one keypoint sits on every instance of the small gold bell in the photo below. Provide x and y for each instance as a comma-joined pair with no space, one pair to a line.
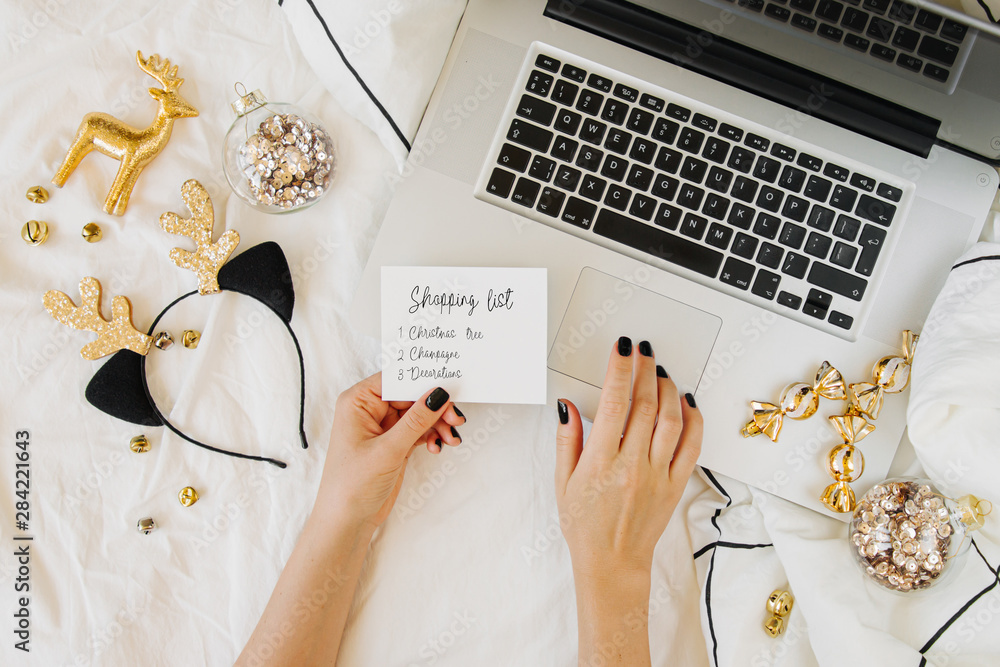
774,625
35,232
163,340
139,444
188,496
92,232
190,338
37,194
146,526
780,602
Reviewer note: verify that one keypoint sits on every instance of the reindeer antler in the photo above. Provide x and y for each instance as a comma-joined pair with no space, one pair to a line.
164,73
206,261
114,335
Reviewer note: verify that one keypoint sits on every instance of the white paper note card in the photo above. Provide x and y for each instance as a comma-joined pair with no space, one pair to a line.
480,333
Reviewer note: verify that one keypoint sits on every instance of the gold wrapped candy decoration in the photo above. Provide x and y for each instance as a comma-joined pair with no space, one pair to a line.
890,375
799,400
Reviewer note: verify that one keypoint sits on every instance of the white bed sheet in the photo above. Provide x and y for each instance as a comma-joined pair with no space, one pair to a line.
470,569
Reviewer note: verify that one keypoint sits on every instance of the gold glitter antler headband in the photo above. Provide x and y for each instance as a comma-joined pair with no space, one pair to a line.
206,261
117,334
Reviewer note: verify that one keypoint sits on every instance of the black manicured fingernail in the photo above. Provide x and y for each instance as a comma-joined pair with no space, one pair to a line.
661,373
563,412
645,349
690,400
458,412
437,398
455,434
625,346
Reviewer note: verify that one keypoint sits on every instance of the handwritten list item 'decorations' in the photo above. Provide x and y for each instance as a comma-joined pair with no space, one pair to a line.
480,333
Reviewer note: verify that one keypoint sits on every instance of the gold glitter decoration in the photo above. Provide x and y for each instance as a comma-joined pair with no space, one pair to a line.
190,338
139,444
206,261
779,605
133,147
117,334
35,232
187,496
799,400
92,232
37,194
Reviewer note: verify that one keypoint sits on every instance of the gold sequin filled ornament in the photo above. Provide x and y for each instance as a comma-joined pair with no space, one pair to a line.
131,146
277,157
906,535
799,400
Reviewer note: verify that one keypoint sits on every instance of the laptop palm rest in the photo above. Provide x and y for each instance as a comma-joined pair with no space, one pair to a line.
603,308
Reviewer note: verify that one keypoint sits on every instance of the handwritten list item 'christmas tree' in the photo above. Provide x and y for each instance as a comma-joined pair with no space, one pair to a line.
478,332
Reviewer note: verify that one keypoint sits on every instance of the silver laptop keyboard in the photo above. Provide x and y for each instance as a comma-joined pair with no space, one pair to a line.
895,36
754,213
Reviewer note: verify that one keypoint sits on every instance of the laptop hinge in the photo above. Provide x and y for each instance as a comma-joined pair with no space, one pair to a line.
750,70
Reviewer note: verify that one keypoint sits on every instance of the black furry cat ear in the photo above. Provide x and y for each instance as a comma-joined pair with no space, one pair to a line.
119,388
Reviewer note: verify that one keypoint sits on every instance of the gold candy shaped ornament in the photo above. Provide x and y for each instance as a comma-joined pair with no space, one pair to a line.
799,400
131,146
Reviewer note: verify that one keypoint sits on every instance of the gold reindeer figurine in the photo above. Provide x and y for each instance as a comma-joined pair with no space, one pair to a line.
132,147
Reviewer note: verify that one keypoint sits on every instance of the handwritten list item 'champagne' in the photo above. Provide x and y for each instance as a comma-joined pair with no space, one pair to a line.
478,332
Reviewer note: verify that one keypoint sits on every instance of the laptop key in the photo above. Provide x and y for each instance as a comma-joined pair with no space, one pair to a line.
789,300
642,150
770,198
730,132
880,29
532,108
642,207
770,255
803,5
863,182
883,52
715,206
837,281
810,162
542,168
821,218
567,178
668,216
818,245
777,12
592,187
668,247
838,319
817,188
531,136
875,210
626,92
817,304
844,198
902,12
937,73
937,50
955,31
668,160
857,43
500,183
752,5
877,6
737,273
539,83
792,178
740,216
694,226
854,20
703,122
889,192
599,82
617,197
574,73
579,212
614,167
829,32
514,158
795,208
792,235
639,177
665,187
567,121
835,171
614,111
677,111
847,228
593,131
765,285
690,196
829,10
564,93
690,140
719,179
589,158
745,245
564,148
782,151
803,22
618,141
719,236
551,201
525,192
907,61
744,189
715,150
741,160
928,21
905,38
639,120
651,102
694,169
767,169
844,255
590,102
871,241
757,142
767,225
795,265
547,63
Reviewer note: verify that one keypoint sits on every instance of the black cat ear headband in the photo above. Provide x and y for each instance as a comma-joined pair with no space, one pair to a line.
119,388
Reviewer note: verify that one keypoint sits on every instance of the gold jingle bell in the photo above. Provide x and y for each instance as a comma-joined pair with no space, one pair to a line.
146,526
37,194
163,340
35,232
191,338
187,496
774,625
139,444
92,233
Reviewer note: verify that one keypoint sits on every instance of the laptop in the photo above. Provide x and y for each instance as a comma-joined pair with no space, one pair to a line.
746,200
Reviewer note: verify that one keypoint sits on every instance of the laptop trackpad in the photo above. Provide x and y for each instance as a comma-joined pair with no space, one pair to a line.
604,307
